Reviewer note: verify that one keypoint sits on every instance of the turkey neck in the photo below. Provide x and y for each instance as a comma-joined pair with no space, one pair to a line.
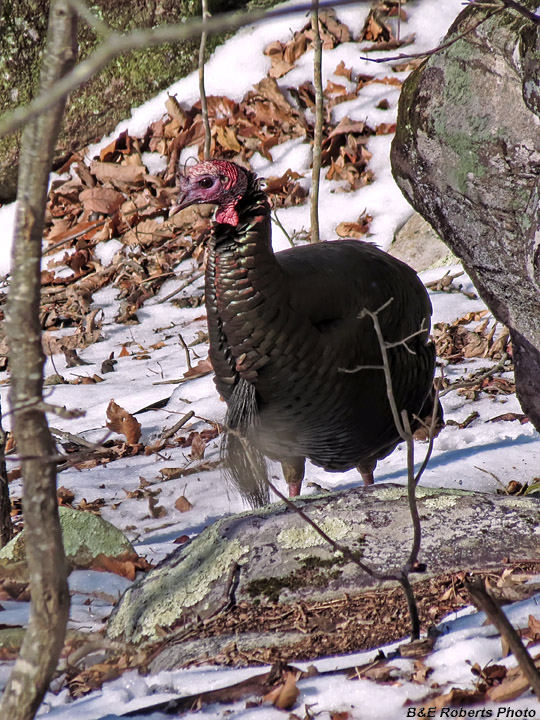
245,289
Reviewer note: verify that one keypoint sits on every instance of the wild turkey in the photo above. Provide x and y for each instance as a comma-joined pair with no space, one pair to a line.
284,326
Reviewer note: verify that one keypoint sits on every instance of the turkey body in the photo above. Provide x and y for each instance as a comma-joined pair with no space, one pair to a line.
295,357
286,329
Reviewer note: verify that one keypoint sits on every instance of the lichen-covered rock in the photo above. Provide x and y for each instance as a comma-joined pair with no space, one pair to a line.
272,554
467,156
85,536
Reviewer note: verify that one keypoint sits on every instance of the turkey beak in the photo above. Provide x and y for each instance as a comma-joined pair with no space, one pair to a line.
184,199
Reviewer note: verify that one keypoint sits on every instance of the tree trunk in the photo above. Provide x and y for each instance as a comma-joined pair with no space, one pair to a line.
6,528
46,562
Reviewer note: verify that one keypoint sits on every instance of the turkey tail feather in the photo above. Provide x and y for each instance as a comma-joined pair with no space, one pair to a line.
245,465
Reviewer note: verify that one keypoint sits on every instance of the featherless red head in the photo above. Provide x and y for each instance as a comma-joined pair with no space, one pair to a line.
219,182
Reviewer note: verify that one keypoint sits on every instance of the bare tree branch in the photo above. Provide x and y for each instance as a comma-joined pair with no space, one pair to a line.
484,601
202,90
318,128
44,637
6,526
518,7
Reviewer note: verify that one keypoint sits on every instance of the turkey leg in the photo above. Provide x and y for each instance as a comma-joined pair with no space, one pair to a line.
366,471
293,472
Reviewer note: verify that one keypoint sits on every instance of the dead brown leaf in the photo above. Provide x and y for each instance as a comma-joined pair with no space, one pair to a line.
295,48
102,200
457,697
421,672
171,473
344,71
227,139
333,88
175,110
198,446
182,504
114,173
120,421
510,417
514,685
203,367
375,30
125,568
157,511
65,496
284,695
354,229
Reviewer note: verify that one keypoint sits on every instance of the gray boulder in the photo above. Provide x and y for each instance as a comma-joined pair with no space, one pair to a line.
467,156
272,555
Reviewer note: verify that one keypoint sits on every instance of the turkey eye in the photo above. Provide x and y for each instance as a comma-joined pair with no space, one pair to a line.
206,182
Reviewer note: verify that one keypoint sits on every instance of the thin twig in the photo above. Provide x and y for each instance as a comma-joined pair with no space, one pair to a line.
386,365
166,434
103,644
95,22
202,90
192,278
472,383
70,437
488,472
186,349
521,10
318,129
485,601
275,218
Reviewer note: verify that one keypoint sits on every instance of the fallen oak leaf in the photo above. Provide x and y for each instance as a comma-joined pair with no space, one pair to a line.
514,685
198,446
343,71
120,421
510,416
203,367
124,568
284,696
64,495
112,172
171,473
182,504
101,200
354,229
227,139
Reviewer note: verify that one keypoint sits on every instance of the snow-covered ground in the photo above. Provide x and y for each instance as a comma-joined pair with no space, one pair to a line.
507,450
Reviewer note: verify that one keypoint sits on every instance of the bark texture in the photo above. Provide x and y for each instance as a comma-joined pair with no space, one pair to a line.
6,527
467,157
46,562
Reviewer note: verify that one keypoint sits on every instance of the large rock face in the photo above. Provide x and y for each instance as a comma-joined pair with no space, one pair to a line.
271,554
467,156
